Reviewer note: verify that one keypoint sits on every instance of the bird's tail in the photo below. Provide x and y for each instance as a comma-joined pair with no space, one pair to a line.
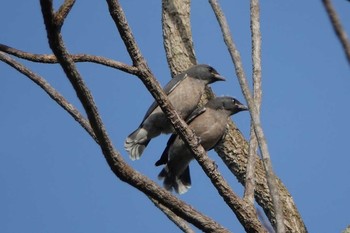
136,143
180,184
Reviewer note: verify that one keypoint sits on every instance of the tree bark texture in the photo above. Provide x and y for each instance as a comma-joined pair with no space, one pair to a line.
176,22
233,150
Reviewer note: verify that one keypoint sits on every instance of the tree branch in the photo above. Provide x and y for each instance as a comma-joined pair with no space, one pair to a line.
116,163
233,149
173,217
271,179
243,213
256,60
50,58
55,95
338,29
176,21
63,12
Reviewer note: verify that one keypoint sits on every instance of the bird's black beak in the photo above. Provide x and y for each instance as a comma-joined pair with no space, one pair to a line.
219,77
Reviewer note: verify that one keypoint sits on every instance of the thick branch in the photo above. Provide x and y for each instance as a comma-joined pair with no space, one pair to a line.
176,22
338,29
116,163
50,58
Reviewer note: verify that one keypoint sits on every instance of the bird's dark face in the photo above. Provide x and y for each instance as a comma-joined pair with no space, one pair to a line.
233,105
205,73
229,104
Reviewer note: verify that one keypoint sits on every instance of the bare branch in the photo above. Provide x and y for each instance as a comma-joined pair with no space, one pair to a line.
271,179
338,29
116,163
82,121
173,217
118,16
50,58
242,211
63,12
256,60
233,150
55,95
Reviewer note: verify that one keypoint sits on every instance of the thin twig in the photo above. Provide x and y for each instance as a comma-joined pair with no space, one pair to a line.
338,29
271,178
63,12
50,58
239,207
55,95
116,163
256,60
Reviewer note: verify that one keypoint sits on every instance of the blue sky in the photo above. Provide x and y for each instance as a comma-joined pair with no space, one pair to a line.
53,177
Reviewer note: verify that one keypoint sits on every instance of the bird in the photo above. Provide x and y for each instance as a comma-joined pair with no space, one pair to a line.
184,92
209,124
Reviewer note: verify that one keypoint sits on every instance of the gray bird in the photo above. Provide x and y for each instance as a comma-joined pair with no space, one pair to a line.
184,92
209,124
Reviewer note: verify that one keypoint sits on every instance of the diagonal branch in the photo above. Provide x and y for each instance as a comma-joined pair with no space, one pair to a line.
271,179
55,95
173,217
116,163
244,213
338,29
63,12
50,58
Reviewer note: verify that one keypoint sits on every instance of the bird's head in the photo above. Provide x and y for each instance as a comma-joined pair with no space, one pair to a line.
205,73
228,104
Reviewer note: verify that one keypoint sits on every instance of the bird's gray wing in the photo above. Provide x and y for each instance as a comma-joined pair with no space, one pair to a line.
194,114
164,157
169,87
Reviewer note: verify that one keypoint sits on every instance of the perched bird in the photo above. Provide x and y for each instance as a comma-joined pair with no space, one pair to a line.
184,92
209,124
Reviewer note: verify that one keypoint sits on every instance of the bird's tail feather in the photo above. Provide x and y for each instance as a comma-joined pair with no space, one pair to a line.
136,143
180,184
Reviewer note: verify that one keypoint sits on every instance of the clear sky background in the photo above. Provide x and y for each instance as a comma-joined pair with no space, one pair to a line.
53,176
